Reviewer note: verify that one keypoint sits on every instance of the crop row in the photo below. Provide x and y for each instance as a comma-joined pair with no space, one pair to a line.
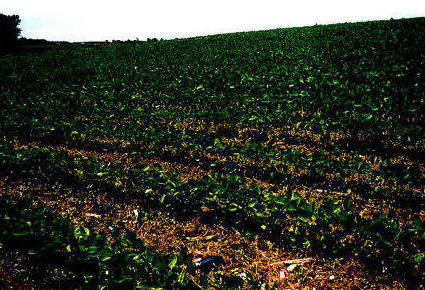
332,227
60,254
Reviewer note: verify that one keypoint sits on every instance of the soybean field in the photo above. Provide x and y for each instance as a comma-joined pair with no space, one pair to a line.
293,157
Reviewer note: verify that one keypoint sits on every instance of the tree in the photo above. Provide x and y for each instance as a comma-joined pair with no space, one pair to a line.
9,32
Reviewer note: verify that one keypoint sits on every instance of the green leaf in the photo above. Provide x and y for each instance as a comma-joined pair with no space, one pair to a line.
162,198
146,168
100,174
419,257
173,262
21,234
107,258
81,233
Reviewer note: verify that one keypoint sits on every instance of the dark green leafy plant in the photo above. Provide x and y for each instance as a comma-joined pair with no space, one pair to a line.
78,257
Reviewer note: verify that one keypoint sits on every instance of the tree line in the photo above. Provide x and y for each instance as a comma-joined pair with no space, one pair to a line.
9,32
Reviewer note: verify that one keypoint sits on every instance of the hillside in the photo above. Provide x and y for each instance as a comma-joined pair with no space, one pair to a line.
296,155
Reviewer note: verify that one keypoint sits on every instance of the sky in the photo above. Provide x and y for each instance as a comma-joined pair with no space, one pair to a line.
94,20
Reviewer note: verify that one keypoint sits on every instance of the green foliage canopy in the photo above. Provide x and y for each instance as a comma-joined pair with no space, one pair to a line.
9,31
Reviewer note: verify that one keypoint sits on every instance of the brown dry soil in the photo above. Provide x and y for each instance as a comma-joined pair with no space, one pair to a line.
257,256
261,258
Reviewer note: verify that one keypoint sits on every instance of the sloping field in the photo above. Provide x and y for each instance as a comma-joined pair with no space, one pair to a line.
295,157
